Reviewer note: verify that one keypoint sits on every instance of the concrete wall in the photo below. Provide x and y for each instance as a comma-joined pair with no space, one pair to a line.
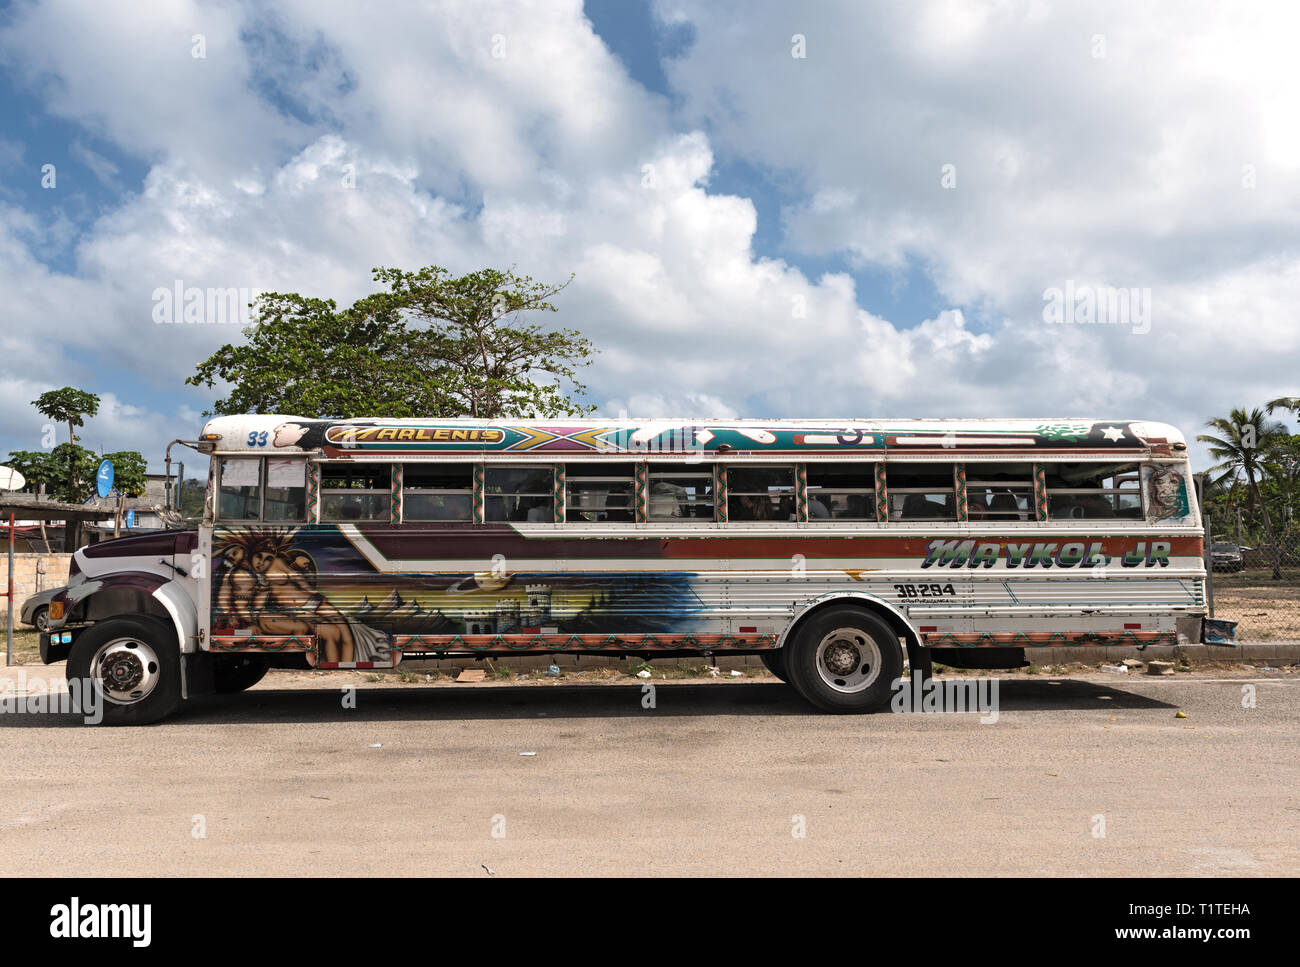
32,573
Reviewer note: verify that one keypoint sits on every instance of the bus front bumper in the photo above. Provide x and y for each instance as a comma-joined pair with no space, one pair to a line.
55,646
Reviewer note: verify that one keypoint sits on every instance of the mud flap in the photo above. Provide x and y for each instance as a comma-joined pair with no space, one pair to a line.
196,675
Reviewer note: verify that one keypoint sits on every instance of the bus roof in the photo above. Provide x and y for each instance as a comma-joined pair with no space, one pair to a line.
258,434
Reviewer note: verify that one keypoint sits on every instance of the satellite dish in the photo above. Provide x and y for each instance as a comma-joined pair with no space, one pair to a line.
11,479
104,478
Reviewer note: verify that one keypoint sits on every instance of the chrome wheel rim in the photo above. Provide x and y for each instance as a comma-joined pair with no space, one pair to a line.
43,620
127,668
848,660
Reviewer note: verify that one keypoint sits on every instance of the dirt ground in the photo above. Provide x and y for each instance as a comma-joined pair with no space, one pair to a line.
1090,775
1263,612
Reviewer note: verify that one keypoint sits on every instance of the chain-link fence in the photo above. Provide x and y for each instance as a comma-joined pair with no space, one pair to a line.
1258,592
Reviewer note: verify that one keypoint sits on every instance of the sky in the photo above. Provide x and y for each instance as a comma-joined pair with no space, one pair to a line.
837,209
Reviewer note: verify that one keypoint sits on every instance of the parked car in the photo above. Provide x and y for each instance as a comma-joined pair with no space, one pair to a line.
36,609
1226,557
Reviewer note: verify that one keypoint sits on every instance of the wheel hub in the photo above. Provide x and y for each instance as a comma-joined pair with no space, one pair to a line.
841,657
848,660
122,672
128,670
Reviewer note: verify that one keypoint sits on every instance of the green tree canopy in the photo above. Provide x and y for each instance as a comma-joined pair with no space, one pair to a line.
58,468
432,345
68,405
62,470
71,406
35,466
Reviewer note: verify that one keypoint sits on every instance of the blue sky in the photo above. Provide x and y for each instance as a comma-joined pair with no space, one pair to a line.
854,209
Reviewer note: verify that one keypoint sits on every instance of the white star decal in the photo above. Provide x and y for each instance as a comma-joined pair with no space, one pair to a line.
1112,433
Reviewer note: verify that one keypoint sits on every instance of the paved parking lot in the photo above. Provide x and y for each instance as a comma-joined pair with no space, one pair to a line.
717,778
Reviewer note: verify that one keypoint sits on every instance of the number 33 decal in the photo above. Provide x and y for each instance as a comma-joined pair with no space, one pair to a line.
256,439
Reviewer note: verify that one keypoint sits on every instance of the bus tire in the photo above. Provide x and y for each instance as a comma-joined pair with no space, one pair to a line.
774,661
845,659
137,659
235,673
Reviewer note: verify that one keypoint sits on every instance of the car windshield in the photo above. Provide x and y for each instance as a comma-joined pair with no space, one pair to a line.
1223,547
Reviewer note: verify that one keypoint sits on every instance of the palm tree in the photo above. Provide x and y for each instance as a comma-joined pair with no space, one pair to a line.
1244,443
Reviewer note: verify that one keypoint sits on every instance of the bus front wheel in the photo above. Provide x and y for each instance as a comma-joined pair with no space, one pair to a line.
845,659
136,663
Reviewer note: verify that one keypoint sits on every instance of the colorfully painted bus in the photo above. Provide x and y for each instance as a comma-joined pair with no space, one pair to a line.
836,550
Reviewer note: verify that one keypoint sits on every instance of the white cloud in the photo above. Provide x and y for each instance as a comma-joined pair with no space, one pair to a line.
1128,169
341,141
99,166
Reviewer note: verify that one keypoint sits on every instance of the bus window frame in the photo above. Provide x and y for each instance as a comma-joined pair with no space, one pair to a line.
697,469
408,491
868,472
1108,493
220,474
1019,487
589,478
951,492
324,466
732,493
489,496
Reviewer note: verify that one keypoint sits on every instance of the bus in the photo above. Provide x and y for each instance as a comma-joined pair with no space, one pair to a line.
840,552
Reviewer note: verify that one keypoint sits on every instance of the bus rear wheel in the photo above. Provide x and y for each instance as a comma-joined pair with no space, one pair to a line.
136,662
774,661
235,673
845,660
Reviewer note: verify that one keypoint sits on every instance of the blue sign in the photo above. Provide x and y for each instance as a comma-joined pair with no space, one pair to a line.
130,519
104,478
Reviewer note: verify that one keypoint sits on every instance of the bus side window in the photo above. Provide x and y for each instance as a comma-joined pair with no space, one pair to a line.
519,494
1093,491
438,491
760,493
841,491
921,491
355,491
286,490
599,492
1000,491
241,488
678,491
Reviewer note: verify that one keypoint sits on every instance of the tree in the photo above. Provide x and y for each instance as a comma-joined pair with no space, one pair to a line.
432,345
57,468
487,367
1244,445
305,357
70,406
1291,403
35,466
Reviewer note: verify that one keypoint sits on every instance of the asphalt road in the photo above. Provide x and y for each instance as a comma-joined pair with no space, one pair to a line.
716,779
